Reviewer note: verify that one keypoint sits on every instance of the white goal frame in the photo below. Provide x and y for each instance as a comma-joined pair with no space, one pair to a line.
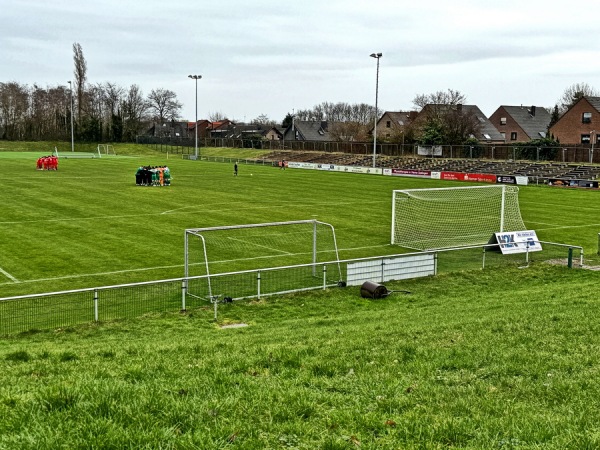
106,149
203,233
426,219
77,155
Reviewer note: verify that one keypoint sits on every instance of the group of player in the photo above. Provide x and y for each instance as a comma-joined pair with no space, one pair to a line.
153,176
47,163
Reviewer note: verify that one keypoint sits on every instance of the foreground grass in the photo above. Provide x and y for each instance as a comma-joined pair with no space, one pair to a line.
498,359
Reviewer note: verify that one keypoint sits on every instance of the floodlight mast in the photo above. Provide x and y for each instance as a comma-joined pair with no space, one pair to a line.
377,56
196,78
72,135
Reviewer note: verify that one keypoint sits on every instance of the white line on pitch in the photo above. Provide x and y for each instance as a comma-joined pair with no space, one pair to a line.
8,275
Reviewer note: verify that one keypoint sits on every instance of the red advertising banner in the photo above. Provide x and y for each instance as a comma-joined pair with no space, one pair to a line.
474,177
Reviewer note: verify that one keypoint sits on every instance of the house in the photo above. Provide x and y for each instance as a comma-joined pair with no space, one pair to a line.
169,129
487,133
274,134
202,128
580,124
392,125
301,130
521,123
220,129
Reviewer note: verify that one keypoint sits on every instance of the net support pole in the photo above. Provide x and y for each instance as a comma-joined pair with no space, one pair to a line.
314,256
502,206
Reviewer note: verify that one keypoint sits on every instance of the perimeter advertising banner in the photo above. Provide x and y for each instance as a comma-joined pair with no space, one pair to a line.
512,179
335,168
589,184
512,242
408,173
460,176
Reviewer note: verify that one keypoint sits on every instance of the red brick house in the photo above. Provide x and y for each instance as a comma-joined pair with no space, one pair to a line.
393,124
580,124
521,123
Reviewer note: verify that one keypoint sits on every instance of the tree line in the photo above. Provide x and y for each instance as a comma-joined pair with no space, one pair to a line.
101,112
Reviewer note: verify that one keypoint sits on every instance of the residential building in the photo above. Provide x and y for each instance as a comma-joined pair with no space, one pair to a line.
487,133
521,123
580,124
302,130
392,125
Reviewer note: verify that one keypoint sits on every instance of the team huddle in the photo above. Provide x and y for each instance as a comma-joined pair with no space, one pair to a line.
153,176
47,163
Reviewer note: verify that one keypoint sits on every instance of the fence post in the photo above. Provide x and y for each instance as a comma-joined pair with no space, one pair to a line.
483,259
570,258
258,285
183,289
96,305
324,276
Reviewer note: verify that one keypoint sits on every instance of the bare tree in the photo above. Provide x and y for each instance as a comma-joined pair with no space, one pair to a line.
216,116
134,108
164,105
264,120
14,104
80,73
573,93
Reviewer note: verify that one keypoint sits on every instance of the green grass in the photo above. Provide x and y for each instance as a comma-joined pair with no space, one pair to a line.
465,361
89,225
504,358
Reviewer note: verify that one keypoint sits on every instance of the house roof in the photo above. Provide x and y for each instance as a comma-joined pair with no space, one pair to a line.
400,117
311,131
487,131
594,101
533,120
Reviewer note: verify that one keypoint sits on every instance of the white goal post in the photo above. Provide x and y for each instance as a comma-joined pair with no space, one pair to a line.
106,149
77,155
424,219
240,249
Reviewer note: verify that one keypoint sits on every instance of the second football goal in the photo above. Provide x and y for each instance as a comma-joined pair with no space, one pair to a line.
424,219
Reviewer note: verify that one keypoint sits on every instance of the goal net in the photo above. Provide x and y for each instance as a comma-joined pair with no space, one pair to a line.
241,250
106,149
424,219
68,154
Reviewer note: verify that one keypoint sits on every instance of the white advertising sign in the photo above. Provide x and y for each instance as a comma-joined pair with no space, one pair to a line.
511,242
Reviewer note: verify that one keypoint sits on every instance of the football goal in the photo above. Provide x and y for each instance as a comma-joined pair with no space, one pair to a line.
424,219
242,251
77,155
106,149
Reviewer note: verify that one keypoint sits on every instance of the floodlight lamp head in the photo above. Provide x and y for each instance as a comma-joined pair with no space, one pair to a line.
195,77
376,55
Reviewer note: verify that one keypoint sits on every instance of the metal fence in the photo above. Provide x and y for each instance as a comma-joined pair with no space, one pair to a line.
573,153
100,304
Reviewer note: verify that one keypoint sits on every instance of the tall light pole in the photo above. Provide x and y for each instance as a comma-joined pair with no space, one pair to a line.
72,135
376,56
196,78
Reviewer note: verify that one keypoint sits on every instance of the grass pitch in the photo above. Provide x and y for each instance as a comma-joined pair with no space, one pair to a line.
494,359
88,224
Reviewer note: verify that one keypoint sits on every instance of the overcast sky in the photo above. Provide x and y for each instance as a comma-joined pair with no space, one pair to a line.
272,57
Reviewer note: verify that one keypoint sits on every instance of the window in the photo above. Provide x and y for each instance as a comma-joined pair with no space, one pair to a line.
502,120
585,138
387,135
487,136
503,135
586,117
388,124
513,135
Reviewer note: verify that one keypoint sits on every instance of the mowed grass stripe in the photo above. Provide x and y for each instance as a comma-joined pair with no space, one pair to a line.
90,218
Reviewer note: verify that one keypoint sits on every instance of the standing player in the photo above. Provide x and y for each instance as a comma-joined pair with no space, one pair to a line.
235,170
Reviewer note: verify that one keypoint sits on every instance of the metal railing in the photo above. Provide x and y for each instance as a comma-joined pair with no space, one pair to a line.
99,304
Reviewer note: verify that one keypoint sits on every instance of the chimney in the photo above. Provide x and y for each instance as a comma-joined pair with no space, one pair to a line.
532,111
